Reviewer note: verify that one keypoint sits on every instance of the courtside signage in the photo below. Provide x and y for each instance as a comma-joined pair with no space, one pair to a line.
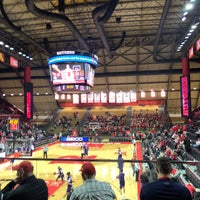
74,139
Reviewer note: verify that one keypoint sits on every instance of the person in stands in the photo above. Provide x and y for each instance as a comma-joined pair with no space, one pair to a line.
92,188
164,188
26,186
137,171
145,176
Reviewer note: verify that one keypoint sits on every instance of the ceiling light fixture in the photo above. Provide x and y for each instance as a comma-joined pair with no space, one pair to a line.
7,46
188,7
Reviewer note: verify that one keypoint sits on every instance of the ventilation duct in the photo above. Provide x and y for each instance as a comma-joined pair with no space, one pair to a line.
60,18
61,6
107,10
160,27
120,43
18,29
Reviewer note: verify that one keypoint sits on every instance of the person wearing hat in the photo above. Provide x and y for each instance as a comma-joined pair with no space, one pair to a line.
164,188
92,188
26,186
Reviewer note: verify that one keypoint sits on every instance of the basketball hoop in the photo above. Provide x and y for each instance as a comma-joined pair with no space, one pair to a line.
94,126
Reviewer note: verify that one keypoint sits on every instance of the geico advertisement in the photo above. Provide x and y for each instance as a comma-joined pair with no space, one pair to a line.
74,139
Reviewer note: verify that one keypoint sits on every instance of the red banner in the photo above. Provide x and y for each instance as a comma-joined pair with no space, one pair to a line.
198,45
13,62
191,52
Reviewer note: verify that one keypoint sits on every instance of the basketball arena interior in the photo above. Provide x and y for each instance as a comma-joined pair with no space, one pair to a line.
109,73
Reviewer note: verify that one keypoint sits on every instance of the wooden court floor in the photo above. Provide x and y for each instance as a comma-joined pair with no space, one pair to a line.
105,171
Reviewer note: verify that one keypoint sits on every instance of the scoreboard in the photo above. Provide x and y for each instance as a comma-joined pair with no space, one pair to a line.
14,124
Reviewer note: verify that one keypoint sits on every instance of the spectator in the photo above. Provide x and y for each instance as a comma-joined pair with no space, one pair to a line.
197,196
92,188
26,186
144,177
197,143
191,188
137,170
187,144
164,188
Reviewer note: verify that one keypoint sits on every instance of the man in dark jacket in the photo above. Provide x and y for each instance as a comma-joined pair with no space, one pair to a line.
26,186
164,188
197,196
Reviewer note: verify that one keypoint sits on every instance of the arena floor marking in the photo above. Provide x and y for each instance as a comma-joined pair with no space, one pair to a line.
52,187
106,171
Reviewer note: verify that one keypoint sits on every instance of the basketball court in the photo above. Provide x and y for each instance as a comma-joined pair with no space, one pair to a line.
105,171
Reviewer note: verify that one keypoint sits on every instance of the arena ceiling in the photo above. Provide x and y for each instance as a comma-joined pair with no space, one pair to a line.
136,43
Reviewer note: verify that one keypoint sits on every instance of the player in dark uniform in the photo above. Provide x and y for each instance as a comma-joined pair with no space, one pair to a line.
122,182
85,149
69,186
60,174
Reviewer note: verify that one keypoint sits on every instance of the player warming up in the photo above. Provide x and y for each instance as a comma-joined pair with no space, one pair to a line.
60,174
85,149
69,187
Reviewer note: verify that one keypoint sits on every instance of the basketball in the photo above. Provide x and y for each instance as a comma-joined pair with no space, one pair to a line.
54,173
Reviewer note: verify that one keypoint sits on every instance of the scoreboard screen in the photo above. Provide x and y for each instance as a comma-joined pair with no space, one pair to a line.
14,124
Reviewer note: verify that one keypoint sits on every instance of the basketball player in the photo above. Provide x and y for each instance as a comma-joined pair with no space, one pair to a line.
60,174
84,153
122,182
119,151
69,186
120,163
86,148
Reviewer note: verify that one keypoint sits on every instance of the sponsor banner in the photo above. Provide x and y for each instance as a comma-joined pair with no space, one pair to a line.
71,144
74,139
